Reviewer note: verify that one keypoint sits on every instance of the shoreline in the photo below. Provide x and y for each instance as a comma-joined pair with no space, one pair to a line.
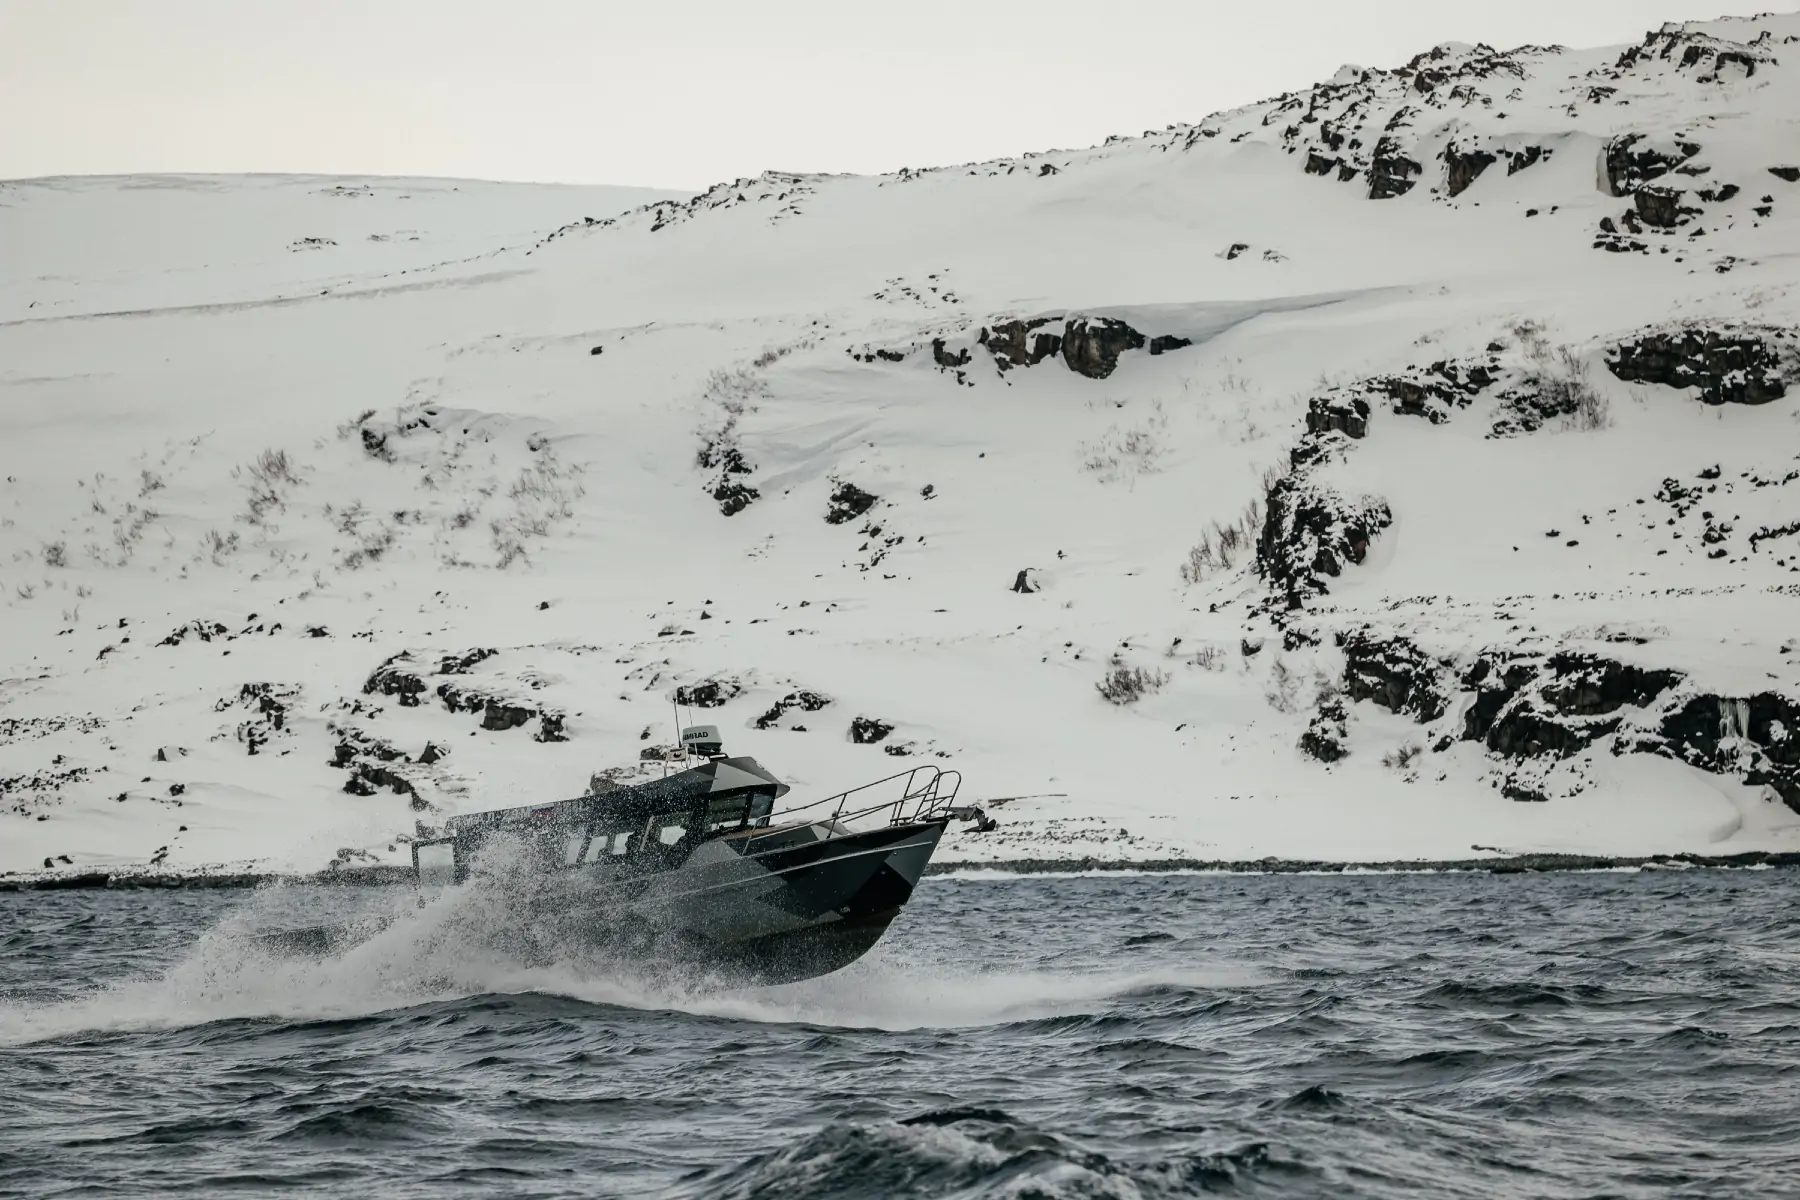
1523,864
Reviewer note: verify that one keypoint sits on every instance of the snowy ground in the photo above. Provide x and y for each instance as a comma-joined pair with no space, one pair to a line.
318,423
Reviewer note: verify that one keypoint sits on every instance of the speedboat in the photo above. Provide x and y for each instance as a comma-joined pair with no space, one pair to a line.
697,869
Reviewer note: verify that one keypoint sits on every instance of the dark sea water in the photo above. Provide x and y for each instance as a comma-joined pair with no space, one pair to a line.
1433,1036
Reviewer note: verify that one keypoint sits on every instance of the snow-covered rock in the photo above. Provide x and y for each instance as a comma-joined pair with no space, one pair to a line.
329,508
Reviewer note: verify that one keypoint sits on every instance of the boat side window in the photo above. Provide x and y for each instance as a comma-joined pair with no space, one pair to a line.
761,805
574,842
621,842
727,812
670,828
599,842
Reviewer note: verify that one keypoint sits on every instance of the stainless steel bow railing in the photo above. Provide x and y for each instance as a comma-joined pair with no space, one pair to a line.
928,792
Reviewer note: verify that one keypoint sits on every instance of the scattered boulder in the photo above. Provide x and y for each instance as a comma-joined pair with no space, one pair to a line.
944,358
710,693
1791,174
847,503
803,700
206,631
1162,343
866,731
550,728
1027,582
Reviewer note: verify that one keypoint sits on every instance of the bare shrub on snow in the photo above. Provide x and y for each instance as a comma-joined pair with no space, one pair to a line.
1560,379
1210,657
218,546
268,479
1123,684
1123,454
1283,692
150,482
56,554
1401,758
1222,546
354,425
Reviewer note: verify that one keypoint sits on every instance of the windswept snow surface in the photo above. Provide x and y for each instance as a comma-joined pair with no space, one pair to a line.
258,441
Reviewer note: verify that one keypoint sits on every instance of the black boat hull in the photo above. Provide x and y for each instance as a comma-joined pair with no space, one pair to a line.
795,911
790,913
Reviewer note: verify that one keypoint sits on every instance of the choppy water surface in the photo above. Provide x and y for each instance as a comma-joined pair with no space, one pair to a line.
1577,1035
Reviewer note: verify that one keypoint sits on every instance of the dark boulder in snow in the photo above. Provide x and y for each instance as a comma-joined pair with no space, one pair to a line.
847,503
1162,343
1730,365
1660,207
1327,733
1791,174
499,715
1027,582
1091,345
803,700
866,731
944,358
711,693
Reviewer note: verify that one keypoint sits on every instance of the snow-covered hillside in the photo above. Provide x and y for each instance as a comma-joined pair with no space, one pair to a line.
1404,468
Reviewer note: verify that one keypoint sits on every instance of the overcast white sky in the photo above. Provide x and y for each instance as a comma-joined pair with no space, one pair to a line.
682,93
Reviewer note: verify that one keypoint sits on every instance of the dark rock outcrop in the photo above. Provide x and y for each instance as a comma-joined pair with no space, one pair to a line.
397,677
1091,345
1391,173
1394,674
1757,736
1348,415
1027,582
1660,207
803,700
1018,343
1630,163
1730,365
1464,167
711,693
1327,733
1309,532
1162,343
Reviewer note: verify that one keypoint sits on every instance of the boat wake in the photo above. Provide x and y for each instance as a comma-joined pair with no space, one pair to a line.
396,950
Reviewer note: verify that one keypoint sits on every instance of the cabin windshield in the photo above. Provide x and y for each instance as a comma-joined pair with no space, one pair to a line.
739,811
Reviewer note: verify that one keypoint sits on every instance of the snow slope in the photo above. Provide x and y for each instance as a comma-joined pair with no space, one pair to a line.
452,522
